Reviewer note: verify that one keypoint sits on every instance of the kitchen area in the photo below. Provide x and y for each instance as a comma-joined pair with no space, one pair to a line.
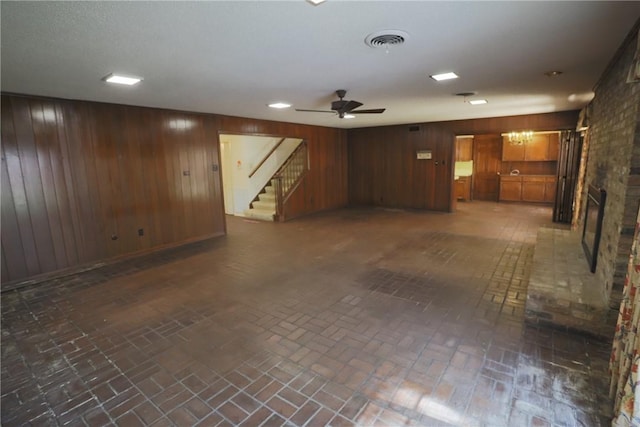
512,167
529,164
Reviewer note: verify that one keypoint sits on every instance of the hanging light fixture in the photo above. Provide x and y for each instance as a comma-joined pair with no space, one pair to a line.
520,138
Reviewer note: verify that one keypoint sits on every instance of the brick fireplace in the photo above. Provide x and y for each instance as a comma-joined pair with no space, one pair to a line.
614,163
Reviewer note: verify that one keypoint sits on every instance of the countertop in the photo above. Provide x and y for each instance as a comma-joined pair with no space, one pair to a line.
523,174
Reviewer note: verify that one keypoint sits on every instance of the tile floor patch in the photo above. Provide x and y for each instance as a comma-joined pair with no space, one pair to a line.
352,317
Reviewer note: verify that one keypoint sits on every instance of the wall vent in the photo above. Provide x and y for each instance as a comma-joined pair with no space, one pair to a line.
414,128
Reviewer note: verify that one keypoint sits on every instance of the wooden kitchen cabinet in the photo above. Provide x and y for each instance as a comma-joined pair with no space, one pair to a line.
554,146
543,147
539,149
511,152
464,149
511,188
533,188
463,188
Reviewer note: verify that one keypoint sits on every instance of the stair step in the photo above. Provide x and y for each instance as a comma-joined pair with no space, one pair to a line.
267,197
265,205
260,214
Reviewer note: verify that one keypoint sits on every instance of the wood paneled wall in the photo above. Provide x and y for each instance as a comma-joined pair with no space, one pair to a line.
79,179
384,170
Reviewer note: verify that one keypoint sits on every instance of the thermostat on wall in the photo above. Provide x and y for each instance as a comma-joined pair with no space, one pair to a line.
423,155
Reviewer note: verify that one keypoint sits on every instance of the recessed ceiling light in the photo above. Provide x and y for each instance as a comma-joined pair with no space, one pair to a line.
349,116
123,80
316,2
478,101
584,97
280,105
444,76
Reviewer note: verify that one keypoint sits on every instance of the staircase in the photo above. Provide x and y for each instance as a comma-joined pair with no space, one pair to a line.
264,208
269,204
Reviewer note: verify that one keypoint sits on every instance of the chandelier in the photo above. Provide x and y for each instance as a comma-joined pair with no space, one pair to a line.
520,138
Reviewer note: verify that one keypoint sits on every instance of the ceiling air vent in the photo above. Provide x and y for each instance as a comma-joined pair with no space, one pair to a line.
386,38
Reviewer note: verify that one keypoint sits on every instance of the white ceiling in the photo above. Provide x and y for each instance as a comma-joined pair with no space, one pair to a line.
235,57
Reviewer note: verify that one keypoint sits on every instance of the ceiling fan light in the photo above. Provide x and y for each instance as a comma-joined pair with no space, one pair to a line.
349,116
478,101
444,76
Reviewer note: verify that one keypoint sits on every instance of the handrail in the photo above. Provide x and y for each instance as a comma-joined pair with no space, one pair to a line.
289,176
264,159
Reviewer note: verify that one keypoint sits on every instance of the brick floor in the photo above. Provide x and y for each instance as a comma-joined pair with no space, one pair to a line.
562,291
352,317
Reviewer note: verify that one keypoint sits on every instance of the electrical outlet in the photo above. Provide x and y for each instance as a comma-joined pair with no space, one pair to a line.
141,232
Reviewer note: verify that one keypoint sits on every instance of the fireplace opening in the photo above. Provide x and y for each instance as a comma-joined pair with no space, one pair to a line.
592,230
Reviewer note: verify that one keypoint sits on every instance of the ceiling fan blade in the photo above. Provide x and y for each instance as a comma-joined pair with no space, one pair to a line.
338,105
350,105
315,111
371,111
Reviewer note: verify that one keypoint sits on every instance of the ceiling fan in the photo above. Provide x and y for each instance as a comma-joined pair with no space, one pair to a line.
342,107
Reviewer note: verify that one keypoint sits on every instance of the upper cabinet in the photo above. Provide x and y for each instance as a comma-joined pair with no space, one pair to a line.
464,148
554,146
543,147
511,152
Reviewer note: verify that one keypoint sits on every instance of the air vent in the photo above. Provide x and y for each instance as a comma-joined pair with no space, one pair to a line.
414,128
386,38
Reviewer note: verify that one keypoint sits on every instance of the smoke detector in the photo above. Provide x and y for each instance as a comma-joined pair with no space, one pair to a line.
386,38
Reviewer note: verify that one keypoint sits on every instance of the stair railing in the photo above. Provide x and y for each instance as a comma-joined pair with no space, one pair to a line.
289,176
264,159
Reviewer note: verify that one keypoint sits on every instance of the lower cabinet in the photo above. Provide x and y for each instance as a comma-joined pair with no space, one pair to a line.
537,189
511,188
533,189
463,188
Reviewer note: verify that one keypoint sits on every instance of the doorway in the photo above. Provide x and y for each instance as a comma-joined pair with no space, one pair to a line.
247,164
487,155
